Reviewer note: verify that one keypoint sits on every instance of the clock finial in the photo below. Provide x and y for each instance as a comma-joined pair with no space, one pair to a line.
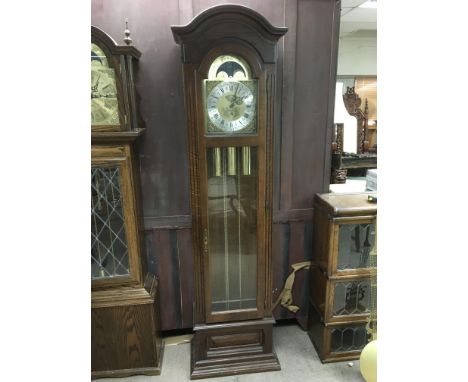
127,38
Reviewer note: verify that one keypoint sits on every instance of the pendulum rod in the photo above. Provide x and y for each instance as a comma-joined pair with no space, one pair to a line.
239,254
226,244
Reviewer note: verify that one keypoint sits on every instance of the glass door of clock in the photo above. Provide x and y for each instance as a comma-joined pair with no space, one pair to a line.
233,192
232,199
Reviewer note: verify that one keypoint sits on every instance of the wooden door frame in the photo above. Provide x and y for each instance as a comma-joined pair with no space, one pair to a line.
258,140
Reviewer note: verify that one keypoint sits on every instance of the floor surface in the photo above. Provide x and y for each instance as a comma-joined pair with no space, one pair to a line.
298,358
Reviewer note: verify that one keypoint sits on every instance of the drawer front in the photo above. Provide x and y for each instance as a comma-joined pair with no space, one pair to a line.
228,341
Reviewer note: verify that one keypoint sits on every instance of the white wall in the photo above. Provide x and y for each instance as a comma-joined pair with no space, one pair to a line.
357,57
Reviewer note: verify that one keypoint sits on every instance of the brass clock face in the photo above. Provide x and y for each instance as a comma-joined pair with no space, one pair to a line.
231,106
104,104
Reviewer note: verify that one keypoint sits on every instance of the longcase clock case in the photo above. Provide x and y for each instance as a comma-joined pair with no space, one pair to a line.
124,300
229,58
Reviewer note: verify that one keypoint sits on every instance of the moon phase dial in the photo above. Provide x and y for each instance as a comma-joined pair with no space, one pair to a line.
230,106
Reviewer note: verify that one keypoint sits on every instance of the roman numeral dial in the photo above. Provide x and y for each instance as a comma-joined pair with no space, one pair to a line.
231,106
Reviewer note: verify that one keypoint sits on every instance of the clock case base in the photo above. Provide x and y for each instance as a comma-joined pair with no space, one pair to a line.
123,373
125,331
233,348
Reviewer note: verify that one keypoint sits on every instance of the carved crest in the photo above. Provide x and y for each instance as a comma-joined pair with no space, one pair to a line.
351,100
353,103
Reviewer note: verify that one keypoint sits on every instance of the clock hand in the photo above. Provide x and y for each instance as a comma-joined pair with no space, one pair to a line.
237,100
235,97
237,89
107,90
233,102
94,89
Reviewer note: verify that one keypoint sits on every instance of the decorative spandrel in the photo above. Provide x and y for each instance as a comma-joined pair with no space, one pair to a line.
352,297
104,103
109,249
232,227
354,245
348,338
231,97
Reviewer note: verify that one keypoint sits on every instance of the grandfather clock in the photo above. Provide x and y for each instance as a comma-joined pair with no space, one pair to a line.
229,55
124,303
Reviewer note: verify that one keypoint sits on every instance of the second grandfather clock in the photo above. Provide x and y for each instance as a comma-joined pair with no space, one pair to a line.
125,326
229,55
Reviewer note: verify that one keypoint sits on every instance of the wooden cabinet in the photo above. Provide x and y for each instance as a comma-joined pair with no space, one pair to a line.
343,274
229,55
124,299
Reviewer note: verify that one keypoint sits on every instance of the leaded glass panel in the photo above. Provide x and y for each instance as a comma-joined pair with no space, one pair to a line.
345,339
232,227
354,245
351,298
109,249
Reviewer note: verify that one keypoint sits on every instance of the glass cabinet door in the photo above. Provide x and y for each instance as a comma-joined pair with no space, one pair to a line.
114,248
348,338
351,297
355,242
109,247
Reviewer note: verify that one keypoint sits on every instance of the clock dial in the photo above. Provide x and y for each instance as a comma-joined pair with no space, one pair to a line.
231,106
104,104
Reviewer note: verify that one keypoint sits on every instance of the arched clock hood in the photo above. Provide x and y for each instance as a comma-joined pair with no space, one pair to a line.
225,23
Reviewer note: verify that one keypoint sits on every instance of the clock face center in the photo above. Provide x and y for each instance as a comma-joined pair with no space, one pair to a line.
231,107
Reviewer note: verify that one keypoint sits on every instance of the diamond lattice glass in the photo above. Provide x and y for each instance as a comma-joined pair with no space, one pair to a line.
109,250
